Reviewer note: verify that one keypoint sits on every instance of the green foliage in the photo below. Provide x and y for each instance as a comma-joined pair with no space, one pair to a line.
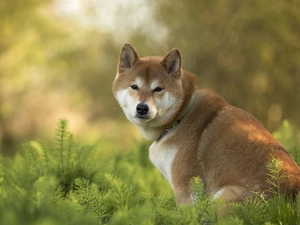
285,135
275,176
64,183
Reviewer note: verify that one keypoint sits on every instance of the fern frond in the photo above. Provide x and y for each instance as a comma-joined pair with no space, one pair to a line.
62,140
88,194
295,151
87,153
198,190
275,175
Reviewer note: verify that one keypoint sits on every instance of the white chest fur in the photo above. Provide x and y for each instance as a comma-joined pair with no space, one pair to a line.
162,157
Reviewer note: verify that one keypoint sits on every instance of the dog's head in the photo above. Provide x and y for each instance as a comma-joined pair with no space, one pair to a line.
149,89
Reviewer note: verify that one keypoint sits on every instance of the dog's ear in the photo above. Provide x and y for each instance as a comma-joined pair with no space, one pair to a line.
128,57
172,62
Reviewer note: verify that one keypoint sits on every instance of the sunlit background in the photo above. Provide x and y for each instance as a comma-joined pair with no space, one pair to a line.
58,60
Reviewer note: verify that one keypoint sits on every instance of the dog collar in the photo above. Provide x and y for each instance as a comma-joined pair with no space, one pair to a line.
173,126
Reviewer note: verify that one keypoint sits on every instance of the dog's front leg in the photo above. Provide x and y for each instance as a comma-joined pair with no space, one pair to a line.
182,191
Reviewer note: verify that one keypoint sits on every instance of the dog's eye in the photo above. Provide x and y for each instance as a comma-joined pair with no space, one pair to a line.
158,89
134,87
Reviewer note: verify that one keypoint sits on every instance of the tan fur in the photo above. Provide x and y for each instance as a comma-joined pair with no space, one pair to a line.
225,146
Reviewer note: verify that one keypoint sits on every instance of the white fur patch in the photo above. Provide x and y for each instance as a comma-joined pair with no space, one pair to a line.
163,159
218,194
122,97
154,84
139,82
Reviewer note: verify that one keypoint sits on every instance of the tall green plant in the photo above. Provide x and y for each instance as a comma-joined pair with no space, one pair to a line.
64,183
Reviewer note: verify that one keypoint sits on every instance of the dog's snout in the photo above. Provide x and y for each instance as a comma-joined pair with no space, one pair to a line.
142,108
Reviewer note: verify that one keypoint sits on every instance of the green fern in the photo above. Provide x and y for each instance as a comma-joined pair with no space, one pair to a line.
295,151
66,183
275,176
285,135
88,195
73,161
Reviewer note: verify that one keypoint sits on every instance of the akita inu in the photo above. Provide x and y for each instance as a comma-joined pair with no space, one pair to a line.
197,133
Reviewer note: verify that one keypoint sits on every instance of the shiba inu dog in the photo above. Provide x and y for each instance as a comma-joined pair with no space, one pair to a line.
197,133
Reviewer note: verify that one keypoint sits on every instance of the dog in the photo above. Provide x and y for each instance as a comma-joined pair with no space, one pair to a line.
196,133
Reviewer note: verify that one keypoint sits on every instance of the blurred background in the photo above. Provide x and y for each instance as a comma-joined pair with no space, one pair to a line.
58,59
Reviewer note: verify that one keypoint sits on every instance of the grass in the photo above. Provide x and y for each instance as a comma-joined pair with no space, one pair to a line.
66,183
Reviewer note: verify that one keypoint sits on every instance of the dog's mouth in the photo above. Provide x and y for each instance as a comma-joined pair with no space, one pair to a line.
146,118
142,117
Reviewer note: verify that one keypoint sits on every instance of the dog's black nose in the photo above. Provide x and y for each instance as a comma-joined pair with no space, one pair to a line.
142,109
